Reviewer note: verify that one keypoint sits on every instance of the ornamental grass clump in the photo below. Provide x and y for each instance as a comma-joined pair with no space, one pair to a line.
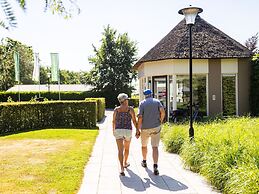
225,152
173,139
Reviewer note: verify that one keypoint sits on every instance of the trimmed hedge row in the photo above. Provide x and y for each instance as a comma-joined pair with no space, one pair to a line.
50,114
100,107
110,99
27,96
134,101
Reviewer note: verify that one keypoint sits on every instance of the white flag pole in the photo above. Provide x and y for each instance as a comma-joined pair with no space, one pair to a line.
59,85
19,94
36,70
17,71
55,69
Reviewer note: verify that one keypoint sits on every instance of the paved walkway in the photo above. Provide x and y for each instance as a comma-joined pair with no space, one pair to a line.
102,171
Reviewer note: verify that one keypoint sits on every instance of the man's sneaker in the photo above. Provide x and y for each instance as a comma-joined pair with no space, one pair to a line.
156,172
144,163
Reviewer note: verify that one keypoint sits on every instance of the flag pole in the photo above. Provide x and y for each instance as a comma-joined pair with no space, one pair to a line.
59,86
39,88
19,94
17,71
36,70
55,73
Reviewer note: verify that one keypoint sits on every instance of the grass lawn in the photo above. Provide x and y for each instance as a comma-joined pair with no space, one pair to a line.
44,161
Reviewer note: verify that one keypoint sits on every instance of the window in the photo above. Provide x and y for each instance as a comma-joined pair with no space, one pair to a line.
229,95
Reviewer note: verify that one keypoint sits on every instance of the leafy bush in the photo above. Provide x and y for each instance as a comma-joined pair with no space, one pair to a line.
254,94
134,101
173,137
225,152
37,115
27,96
100,107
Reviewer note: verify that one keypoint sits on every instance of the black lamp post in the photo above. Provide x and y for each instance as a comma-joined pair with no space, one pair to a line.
190,14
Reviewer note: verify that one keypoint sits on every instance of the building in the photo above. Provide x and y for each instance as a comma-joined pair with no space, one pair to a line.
221,70
51,87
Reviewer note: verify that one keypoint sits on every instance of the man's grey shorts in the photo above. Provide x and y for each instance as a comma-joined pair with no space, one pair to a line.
154,133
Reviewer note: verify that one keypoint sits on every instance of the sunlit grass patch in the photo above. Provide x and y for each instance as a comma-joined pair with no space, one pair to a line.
226,152
44,161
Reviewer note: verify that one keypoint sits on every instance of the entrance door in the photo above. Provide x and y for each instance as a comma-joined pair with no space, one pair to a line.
159,90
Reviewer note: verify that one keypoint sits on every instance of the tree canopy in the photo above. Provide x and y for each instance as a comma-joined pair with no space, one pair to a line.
7,71
113,72
65,8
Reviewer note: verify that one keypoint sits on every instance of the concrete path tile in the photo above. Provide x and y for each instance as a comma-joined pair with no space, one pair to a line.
102,171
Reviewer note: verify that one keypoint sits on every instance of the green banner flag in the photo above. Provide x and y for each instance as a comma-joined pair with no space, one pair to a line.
17,66
54,66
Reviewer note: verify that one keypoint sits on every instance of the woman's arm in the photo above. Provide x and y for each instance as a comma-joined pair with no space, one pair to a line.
114,120
133,116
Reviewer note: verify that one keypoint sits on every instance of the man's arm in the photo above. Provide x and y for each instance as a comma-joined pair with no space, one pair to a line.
162,114
139,123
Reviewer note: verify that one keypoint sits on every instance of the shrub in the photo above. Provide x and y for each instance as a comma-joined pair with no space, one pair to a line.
35,115
134,101
54,95
173,137
254,94
225,152
100,107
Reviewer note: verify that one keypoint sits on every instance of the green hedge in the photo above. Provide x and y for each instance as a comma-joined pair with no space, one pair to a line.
110,99
134,101
254,94
27,96
50,114
225,152
100,107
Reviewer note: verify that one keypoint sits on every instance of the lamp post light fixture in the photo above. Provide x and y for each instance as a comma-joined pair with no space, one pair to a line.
190,14
49,75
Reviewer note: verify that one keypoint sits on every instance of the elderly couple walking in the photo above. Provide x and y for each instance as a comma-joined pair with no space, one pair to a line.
148,125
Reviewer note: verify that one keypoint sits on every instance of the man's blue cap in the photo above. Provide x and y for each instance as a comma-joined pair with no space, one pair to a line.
147,92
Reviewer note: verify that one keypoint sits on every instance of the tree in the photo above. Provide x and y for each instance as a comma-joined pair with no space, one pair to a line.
112,72
251,43
7,63
254,95
56,6
69,77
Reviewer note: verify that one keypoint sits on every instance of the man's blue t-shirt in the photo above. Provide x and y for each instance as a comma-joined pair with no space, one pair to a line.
149,109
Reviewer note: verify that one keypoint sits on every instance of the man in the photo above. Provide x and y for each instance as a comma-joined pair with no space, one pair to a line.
150,117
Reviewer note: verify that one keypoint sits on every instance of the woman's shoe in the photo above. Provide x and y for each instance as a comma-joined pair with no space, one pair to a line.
122,173
126,165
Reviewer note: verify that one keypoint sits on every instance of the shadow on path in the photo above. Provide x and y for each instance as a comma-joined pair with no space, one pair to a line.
163,182
132,181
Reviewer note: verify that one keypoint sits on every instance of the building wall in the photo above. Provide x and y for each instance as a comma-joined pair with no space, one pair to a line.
244,72
214,87
173,66
214,69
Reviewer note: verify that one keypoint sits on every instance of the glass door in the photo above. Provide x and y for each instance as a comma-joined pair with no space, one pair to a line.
160,90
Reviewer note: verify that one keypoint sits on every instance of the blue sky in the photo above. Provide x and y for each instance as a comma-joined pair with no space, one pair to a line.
145,21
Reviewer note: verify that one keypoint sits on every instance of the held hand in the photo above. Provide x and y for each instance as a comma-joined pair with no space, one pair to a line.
137,135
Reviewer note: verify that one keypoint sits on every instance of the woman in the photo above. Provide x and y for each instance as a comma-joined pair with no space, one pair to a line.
122,129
